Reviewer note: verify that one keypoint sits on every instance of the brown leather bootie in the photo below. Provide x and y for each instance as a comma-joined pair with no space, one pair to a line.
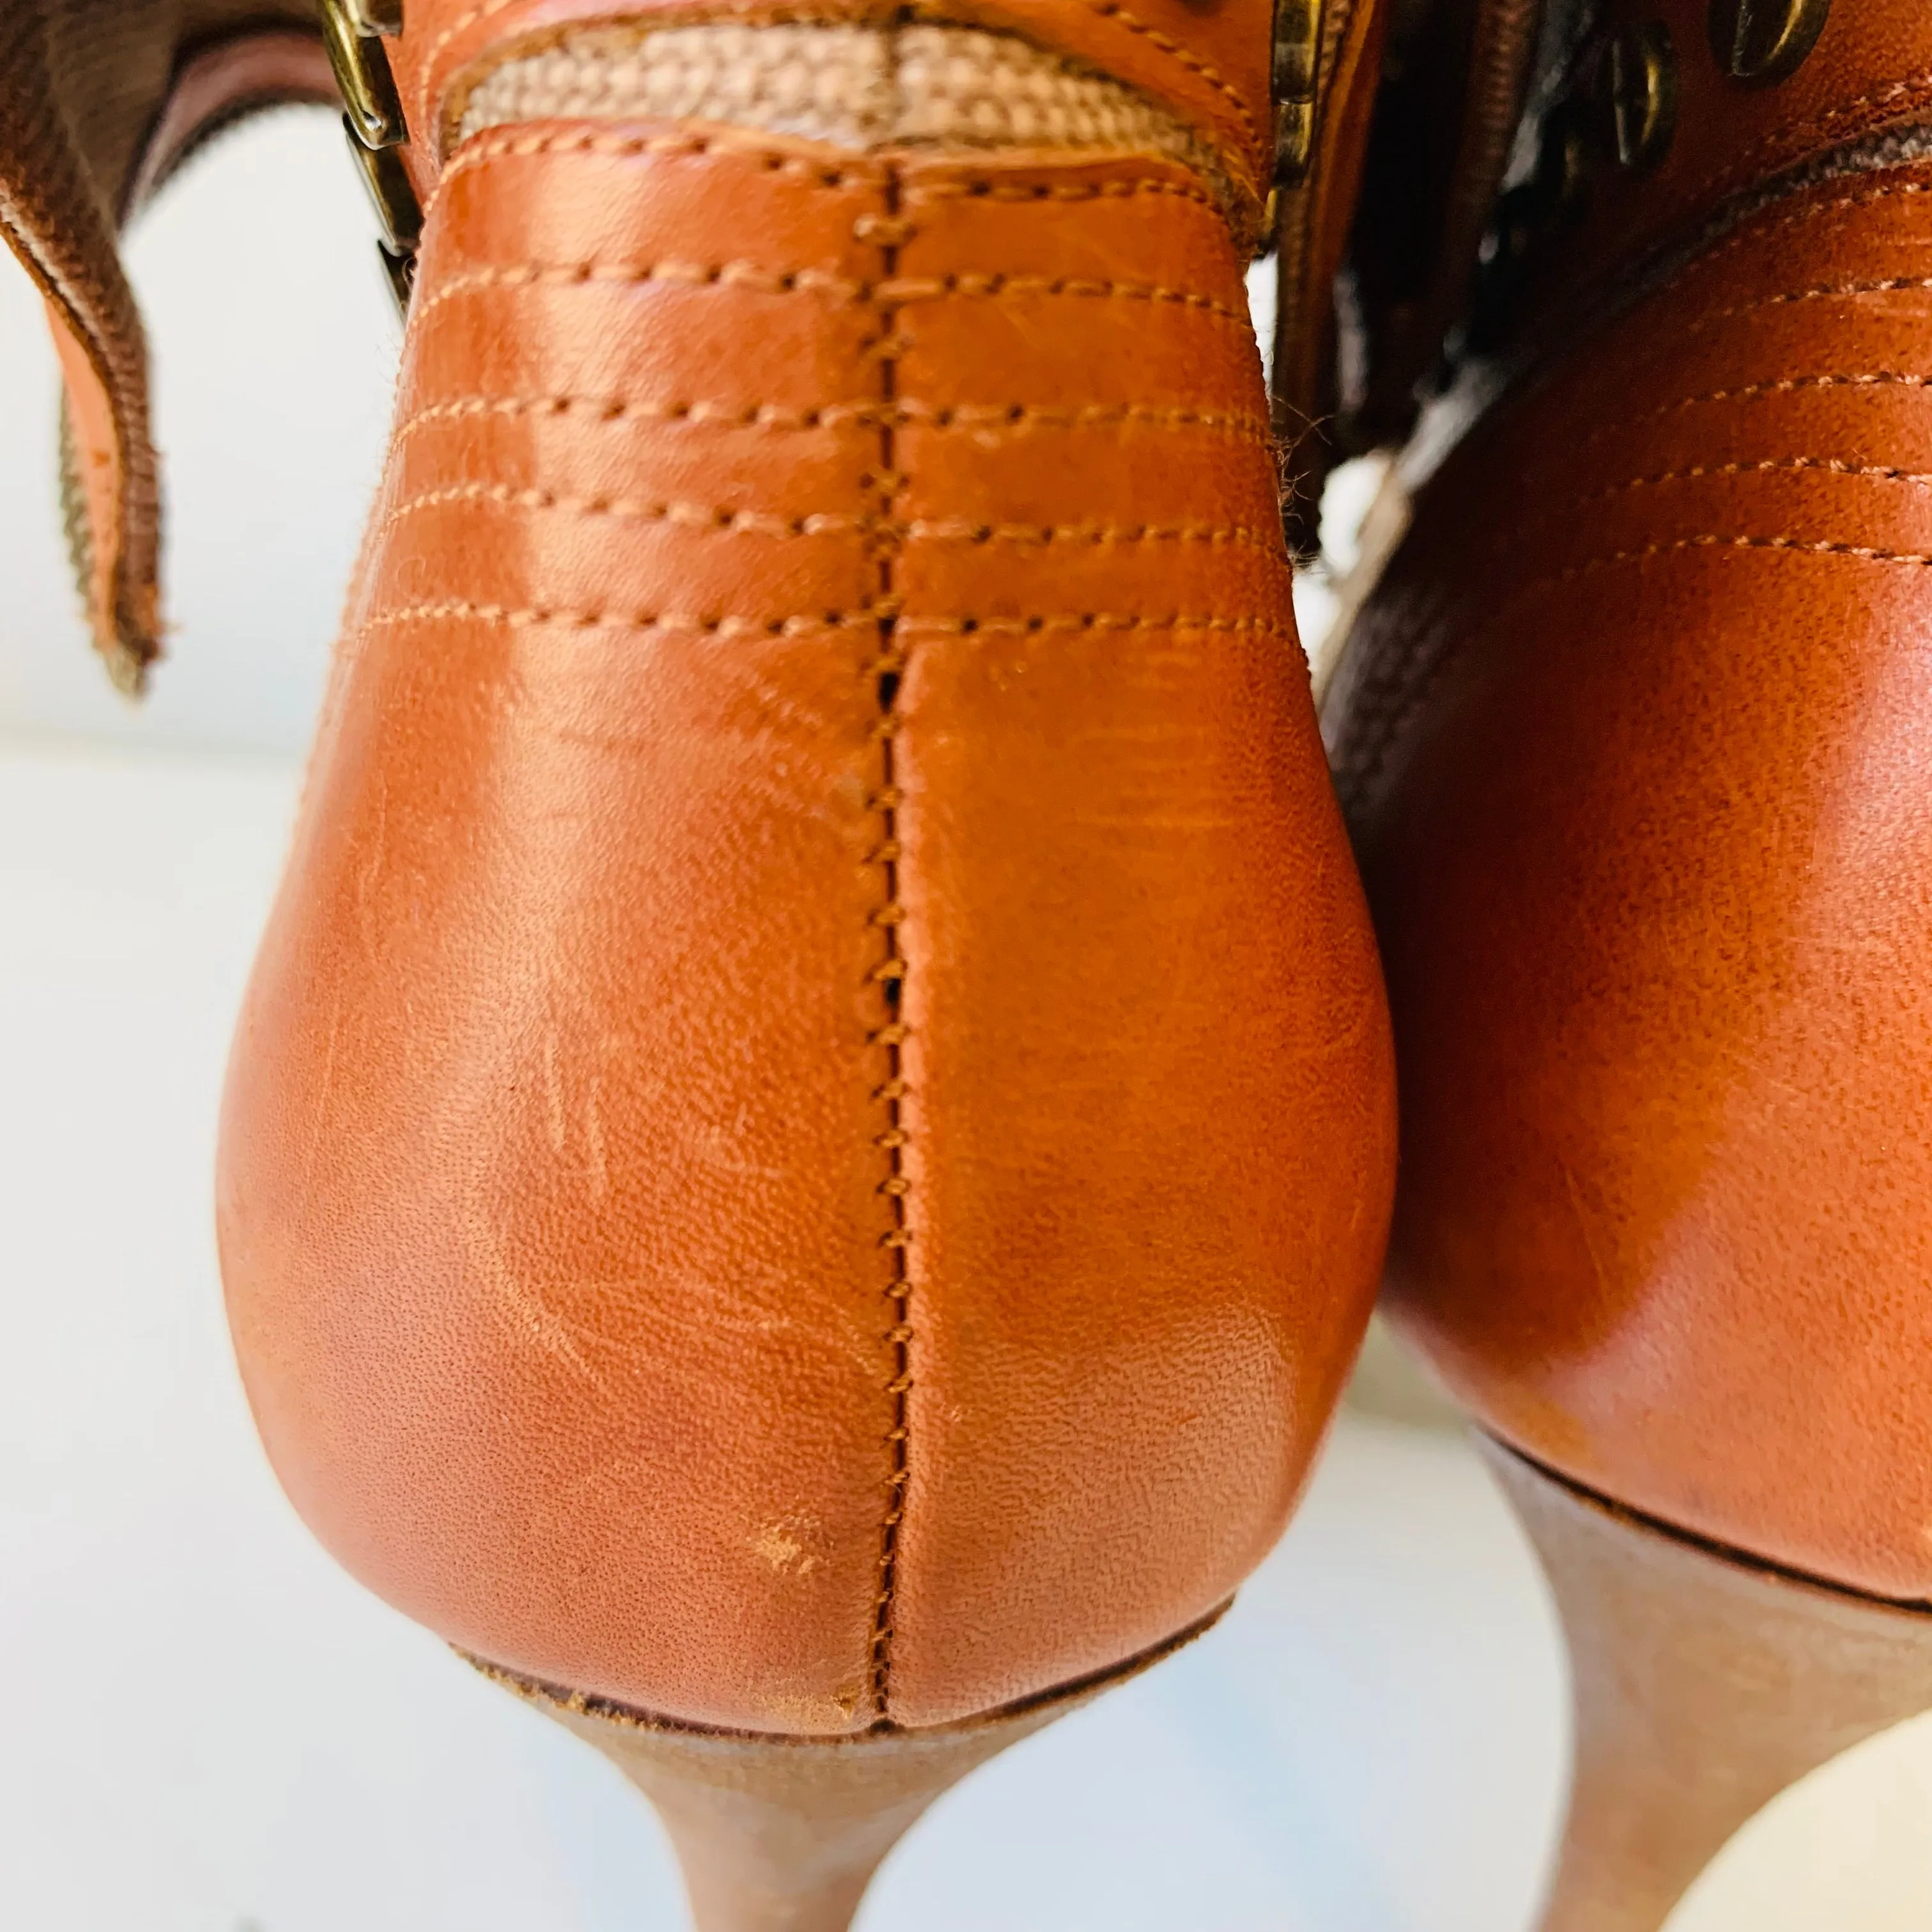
808,1148
1632,738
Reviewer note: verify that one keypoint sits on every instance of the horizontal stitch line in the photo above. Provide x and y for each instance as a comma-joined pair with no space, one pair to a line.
613,408
1798,210
621,509
1801,131
896,291
1860,552
1096,620
1111,9
679,623
807,625
1824,291
1778,466
902,290
1750,392
989,190
682,275
719,519
626,147
866,414
1100,536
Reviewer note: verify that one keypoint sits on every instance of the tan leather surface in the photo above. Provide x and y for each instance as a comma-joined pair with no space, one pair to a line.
798,574
1210,64
1634,738
1870,69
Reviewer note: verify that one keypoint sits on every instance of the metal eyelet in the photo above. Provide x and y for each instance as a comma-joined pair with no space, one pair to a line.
1297,62
1758,43
373,122
1640,81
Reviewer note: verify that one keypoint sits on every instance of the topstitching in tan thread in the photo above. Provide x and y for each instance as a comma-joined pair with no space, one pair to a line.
974,419
984,190
744,148
1111,9
1757,231
1800,546
1740,168
724,519
1123,623
885,673
684,274
1778,466
1755,392
642,622
894,293
1819,292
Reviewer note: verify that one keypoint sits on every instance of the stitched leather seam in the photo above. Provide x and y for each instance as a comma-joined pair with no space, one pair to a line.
1821,292
975,418
1088,621
705,517
1824,123
1001,287
895,293
684,274
1801,546
643,623
1101,536
487,147
808,624
1778,466
1110,10
1754,392
744,147
1061,191
1751,233
888,233
628,510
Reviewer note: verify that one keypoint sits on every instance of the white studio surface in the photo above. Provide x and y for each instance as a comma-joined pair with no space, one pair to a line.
211,1729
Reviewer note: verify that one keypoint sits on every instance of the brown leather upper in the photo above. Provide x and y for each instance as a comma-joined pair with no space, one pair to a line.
812,1133
1635,739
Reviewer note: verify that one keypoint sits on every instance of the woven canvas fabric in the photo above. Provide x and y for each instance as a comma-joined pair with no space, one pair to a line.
856,87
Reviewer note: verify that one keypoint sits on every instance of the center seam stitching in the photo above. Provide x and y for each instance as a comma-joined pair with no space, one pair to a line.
884,671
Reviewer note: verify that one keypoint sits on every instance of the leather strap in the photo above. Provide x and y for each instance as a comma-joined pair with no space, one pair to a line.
75,99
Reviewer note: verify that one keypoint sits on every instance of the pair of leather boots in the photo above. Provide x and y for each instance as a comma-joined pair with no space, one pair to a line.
815,1131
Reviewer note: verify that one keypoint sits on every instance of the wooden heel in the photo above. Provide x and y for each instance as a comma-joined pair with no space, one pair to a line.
1703,1685
783,1834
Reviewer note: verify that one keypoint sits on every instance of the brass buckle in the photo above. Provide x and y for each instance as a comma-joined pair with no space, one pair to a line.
1296,64
353,31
